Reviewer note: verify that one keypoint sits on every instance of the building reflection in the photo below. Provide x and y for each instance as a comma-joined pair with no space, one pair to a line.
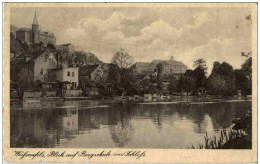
46,127
66,124
43,128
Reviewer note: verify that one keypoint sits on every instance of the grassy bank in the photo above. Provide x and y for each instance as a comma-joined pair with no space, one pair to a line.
238,137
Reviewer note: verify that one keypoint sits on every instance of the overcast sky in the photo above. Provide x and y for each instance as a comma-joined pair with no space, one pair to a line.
216,34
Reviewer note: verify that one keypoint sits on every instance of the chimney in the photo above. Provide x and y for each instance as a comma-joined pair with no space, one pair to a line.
58,59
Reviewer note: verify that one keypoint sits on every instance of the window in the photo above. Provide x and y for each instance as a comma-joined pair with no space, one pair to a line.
46,58
68,73
41,72
72,73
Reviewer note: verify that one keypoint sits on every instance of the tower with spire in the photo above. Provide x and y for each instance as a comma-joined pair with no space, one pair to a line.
35,35
35,29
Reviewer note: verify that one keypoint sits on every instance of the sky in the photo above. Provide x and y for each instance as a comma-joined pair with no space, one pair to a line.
215,34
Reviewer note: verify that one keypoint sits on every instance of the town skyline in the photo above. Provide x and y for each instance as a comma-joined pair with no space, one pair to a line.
147,33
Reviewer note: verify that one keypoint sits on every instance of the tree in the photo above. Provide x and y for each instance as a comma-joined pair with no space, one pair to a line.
244,75
222,75
242,81
186,83
123,73
49,76
199,77
25,78
159,69
216,84
122,59
247,67
200,63
173,86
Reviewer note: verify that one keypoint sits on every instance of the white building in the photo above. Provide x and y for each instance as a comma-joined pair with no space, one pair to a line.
68,74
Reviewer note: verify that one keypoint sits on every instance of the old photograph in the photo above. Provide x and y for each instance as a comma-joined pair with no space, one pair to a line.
132,82
131,77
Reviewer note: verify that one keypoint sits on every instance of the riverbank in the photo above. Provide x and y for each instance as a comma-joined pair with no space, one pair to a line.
238,137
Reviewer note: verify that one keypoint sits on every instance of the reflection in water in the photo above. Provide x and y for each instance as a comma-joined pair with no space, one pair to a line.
125,124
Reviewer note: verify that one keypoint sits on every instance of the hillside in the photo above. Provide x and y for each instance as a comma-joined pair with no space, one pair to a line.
86,58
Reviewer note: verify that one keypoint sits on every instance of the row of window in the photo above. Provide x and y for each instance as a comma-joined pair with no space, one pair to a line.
72,74
68,74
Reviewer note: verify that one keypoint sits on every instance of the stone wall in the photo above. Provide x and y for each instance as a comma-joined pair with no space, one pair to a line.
73,93
51,93
32,94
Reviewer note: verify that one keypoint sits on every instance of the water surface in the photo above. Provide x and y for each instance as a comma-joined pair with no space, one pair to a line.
180,123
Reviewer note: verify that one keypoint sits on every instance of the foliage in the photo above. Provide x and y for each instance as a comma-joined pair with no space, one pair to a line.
159,69
147,86
199,77
216,84
200,63
122,59
123,75
49,76
25,78
246,72
242,82
193,79
186,83
173,86
238,137
247,68
222,80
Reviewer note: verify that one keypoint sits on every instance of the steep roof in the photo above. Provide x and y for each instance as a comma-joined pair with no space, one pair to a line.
35,20
24,29
87,70
37,54
34,55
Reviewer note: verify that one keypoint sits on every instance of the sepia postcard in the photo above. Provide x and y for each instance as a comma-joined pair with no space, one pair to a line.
130,82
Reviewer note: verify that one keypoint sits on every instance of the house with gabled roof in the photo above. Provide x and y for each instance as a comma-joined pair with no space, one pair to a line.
93,77
33,65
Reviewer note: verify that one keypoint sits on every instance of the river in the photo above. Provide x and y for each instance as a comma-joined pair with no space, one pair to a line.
179,123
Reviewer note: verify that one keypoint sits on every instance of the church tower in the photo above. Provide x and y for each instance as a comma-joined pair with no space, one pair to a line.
35,29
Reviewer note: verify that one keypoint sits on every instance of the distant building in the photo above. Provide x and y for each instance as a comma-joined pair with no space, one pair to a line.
35,35
170,67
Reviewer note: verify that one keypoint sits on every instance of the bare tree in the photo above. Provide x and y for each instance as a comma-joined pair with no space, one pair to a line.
122,59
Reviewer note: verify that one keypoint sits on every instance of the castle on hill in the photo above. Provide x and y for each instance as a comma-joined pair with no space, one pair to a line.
35,35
